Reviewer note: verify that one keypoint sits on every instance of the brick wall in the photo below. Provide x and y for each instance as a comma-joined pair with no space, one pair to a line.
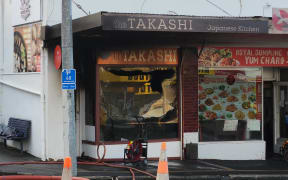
190,89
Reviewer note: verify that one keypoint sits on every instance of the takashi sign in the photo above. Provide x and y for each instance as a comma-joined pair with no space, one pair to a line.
156,56
140,22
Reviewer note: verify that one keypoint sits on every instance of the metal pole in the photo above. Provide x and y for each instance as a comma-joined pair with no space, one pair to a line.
68,95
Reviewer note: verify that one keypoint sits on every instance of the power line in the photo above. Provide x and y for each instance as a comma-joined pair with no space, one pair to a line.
142,5
240,11
219,7
267,5
51,10
173,12
80,7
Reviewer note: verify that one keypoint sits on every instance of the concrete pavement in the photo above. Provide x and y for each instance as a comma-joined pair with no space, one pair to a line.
274,168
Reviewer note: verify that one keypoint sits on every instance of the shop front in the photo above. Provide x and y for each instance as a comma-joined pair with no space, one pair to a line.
231,102
280,108
137,97
139,84
180,79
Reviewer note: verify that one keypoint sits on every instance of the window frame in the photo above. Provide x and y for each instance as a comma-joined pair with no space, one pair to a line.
97,102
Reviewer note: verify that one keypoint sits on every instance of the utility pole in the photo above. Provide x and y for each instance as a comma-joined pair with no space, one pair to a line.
68,101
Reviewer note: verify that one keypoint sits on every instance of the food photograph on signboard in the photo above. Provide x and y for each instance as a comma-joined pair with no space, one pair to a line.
217,57
242,57
228,95
220,100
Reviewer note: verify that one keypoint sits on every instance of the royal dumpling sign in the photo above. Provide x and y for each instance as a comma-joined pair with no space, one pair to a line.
243,57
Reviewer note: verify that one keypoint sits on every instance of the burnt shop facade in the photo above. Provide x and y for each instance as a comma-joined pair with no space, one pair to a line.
197,83
238,97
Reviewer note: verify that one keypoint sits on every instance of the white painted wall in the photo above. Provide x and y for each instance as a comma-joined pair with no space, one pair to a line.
269,74
117,151
8,38
232,150
30,82
192,137
24,105
173,149
54,121
19,92
89,133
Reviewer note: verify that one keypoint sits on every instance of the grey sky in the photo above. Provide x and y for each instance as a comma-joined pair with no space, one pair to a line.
184,7
179,7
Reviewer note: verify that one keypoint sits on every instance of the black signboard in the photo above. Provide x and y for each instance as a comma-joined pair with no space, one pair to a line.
144,22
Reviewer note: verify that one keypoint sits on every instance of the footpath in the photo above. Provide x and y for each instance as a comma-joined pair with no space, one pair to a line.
271,169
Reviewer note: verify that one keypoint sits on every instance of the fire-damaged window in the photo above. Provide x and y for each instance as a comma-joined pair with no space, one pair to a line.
138,101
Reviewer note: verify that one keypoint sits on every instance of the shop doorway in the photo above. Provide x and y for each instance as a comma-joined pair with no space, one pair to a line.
281,114
268,118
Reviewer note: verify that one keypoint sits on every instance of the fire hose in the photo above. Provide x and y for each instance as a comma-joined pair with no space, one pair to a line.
99,162
131,169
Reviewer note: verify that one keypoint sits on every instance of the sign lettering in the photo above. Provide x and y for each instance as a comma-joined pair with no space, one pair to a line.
156,56
68,79
128,22
226,56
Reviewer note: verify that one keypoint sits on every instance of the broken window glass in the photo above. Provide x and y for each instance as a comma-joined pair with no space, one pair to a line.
138,102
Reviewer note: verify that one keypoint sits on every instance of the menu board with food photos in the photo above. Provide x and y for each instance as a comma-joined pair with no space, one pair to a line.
227,95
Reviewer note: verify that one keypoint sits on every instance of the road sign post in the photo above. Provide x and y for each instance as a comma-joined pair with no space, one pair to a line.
68,79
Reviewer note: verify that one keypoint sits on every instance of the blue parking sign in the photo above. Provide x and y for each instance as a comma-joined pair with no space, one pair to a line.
68,79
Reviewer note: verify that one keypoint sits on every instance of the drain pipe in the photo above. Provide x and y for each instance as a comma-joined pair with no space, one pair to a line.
44,58
43,73
1,56
2,34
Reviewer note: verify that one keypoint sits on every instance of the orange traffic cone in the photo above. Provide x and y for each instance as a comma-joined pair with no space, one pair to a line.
67,169
162,172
